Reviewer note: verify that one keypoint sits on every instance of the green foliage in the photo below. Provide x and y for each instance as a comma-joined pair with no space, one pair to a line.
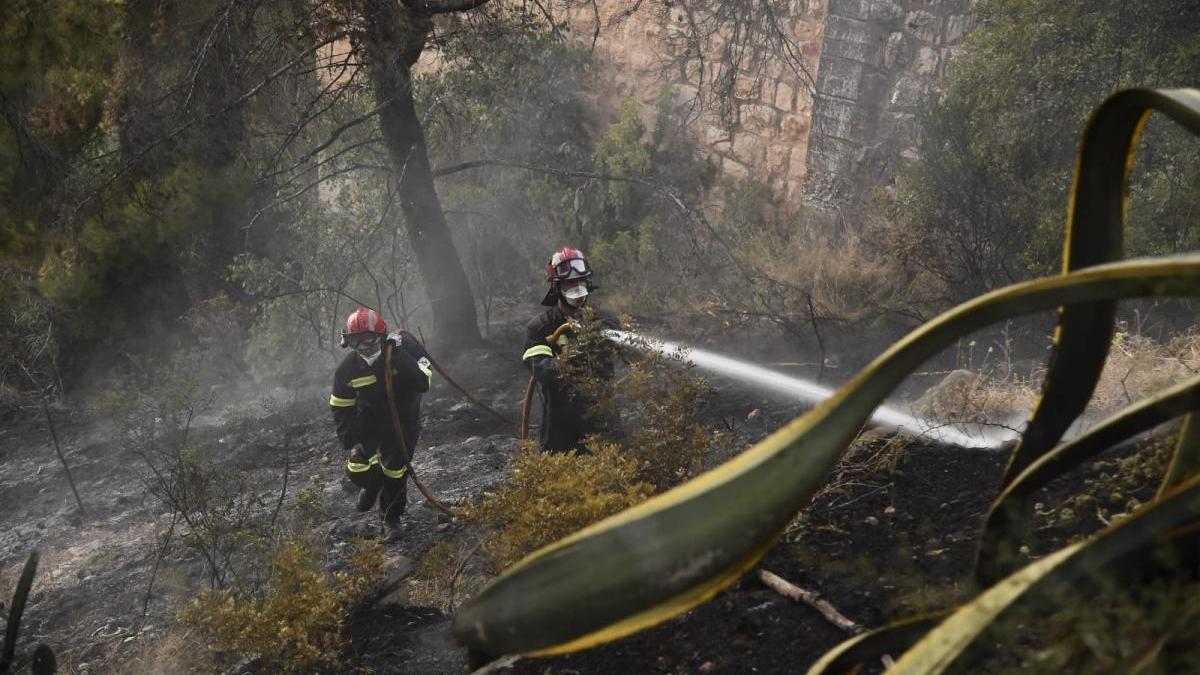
633,232
295,623
175,212
551,495
56,84
625,258
652,411
621,153
307,504
507,88
982,207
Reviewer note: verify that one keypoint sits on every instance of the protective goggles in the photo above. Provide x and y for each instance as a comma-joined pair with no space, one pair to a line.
563,269
357,340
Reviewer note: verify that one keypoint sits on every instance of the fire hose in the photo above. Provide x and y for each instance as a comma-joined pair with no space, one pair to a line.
399,429
551,338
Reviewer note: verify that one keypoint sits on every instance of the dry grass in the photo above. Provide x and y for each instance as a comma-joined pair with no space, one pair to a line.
1138,367
993,393
848,278
178,652
964,396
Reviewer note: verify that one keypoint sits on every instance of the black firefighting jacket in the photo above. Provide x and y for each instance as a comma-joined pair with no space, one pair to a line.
359,400
564,411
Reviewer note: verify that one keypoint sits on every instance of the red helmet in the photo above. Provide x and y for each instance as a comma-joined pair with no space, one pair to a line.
568,263
363,320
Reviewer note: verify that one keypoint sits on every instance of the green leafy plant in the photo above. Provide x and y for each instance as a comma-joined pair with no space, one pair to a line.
650,409
295,623
551,495
678,549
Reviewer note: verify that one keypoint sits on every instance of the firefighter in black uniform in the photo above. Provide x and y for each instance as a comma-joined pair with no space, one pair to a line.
362,411
565,418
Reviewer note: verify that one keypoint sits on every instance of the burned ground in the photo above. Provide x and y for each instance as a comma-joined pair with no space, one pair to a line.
892,534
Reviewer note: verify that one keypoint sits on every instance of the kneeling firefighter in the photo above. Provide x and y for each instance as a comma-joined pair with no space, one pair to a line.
378,459
565,411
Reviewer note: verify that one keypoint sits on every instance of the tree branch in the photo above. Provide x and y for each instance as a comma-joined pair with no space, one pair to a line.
442,6
789,590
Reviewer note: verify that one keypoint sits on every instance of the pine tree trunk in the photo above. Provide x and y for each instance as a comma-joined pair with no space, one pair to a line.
393,39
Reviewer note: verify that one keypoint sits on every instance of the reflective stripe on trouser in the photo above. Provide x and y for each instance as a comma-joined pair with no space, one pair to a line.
376,476
359,467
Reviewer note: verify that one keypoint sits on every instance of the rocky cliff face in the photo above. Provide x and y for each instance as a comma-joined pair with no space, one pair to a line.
829,123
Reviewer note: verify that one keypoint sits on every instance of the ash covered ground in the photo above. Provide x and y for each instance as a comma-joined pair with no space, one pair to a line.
884,539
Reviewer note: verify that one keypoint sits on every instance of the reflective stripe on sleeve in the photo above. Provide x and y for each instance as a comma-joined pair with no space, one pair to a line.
537,350
399,473
423,364
358,467
365,381
339,402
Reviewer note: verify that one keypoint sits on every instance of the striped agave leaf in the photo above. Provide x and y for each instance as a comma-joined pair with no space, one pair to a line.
893,638
1126,542
1008,516
15,610
1185,462
668,554
1131,421
675,551
1094,232
1095,224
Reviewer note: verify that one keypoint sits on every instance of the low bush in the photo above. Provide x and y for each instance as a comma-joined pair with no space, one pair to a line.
295,623
549,496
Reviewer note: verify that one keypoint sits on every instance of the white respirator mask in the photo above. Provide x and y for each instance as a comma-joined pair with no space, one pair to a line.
575,295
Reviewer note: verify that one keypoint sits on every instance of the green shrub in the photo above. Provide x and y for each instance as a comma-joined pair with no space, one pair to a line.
295,623
651,410
549,496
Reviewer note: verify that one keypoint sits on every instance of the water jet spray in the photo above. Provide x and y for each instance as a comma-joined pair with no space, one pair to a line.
885,416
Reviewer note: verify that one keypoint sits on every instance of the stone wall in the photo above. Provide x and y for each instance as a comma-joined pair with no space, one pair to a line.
873,63
767,136
880,60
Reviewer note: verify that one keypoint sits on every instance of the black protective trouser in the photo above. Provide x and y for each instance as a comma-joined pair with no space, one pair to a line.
384,471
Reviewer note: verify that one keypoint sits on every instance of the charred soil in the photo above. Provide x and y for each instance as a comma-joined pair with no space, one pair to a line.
892,534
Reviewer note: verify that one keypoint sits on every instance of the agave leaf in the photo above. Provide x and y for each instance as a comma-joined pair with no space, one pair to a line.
1057,571
674,551
16,610
1095,224
874,644
1007,518
44,661
1185,462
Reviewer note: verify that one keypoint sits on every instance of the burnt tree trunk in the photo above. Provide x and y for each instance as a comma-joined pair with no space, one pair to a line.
392,40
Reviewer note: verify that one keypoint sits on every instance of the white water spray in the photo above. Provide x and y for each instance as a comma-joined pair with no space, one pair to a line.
884,416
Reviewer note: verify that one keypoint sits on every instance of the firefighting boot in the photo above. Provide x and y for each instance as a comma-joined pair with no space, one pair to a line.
366,500
393,502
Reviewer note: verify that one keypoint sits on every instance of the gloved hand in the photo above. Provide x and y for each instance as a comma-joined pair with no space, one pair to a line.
358,455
